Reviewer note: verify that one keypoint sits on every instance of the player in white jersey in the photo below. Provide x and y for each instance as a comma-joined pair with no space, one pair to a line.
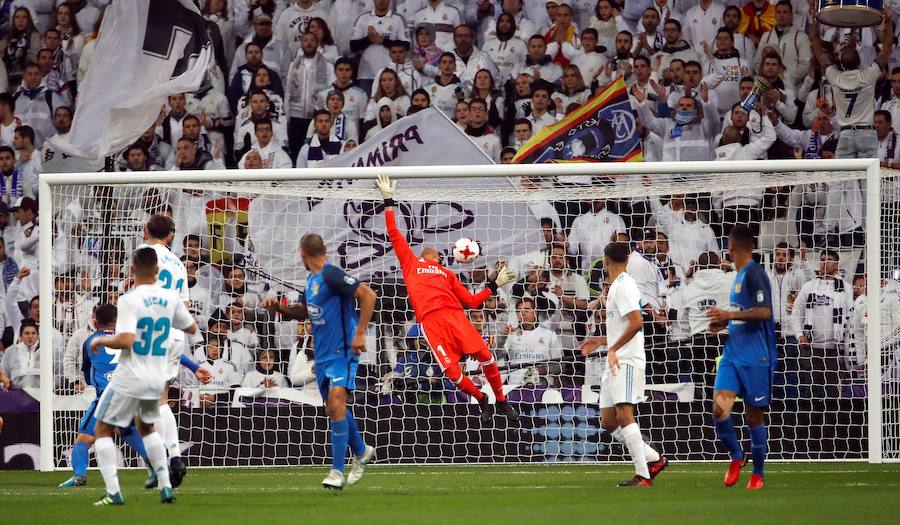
158,234
853,90
623,381
146,317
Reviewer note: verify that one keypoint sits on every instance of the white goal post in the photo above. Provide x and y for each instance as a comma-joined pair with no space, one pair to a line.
621,181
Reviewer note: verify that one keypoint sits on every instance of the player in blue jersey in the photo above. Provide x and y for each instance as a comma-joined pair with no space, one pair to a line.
98,369
749,360
339,331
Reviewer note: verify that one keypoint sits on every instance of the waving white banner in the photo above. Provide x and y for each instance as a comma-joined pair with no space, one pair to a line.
146,51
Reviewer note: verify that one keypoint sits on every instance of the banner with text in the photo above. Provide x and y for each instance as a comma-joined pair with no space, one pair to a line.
426,138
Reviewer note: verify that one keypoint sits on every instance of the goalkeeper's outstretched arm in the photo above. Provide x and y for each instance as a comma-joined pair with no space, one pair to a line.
388,188
504,276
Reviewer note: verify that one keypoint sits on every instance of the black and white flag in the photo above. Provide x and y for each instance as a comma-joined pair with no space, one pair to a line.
146,51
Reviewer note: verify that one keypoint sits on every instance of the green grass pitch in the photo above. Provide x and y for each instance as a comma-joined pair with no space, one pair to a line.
821,493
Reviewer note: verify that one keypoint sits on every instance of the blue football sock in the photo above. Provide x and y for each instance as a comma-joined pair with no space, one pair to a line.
759,445
357,445
725,431
339,435
137,443
80,458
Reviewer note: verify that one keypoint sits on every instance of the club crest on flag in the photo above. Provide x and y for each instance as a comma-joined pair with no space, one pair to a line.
603,129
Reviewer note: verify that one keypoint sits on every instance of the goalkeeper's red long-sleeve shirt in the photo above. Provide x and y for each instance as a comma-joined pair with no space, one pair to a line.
429,285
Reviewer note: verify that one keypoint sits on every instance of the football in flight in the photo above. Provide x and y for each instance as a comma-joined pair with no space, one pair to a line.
466,250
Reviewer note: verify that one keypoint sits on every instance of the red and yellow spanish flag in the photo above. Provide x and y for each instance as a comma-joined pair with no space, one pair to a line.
603,129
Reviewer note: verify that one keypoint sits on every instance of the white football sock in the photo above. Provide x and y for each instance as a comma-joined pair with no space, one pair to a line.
156,453
105,452
650,453
167,427
635,444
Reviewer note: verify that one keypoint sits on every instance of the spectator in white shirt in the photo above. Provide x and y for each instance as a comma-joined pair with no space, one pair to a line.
480,132
710,287
532,351
469,59
725,69
13,183
524,27
271,155
265,375
276,54
792,45
444,19
701,22
323,145
786,279
675,46
731,19
819,321
372,34
811,141
573,293
521,132
888,150
506,50
892,104
689,237
591,232
540,109
26,246
742,206
294,22
21,363
589,58
688,135
224,373
650,40
8,119
538,63
309,74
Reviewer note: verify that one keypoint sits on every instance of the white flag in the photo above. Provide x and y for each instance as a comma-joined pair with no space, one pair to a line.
426,138
146,51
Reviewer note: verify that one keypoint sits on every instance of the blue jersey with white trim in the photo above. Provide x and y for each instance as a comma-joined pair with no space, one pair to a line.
98,368
751,343
331,307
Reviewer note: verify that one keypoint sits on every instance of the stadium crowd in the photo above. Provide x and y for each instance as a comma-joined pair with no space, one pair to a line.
295,83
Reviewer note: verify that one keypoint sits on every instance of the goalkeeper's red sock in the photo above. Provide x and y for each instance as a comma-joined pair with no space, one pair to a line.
466,385
492,373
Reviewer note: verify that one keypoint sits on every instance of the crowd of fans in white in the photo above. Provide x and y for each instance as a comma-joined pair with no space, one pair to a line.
295,83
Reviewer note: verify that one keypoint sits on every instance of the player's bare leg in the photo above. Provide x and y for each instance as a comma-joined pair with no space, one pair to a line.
723,402
630,435
156,452
758,445
656,462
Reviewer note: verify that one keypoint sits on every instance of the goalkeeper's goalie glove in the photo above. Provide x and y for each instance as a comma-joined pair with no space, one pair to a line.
504,276
387,187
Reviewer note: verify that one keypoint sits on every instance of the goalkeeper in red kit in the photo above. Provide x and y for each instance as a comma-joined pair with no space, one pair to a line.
437,298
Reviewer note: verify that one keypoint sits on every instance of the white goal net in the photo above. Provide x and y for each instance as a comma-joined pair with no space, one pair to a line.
238,235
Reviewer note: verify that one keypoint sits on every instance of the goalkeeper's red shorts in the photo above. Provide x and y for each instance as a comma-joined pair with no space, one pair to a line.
451,335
